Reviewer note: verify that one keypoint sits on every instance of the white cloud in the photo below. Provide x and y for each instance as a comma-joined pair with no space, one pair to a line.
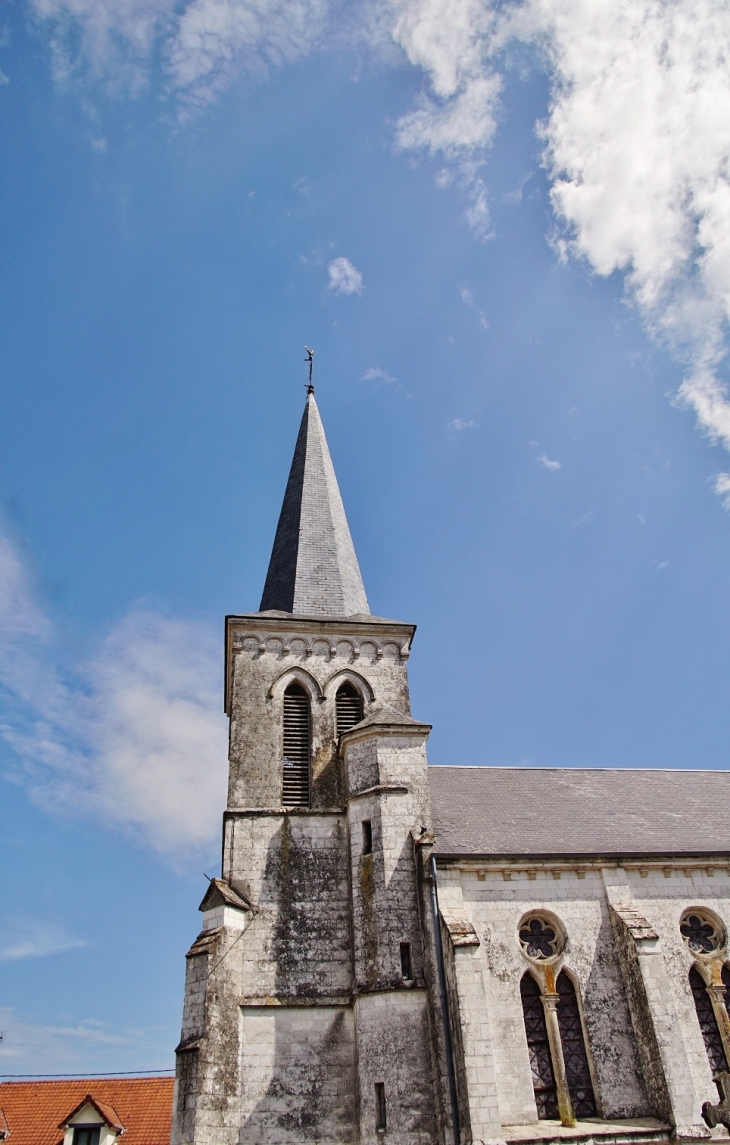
136,737
636,138
547,462
637,147
721,486
201,46
344,278
375,374
34,939
459,424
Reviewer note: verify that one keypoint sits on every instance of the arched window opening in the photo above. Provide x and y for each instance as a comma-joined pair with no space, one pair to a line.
349,707
543,1079
707,1020
297,738
578,1074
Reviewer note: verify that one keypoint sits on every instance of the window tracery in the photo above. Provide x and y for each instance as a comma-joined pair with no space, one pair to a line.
701,931
540,937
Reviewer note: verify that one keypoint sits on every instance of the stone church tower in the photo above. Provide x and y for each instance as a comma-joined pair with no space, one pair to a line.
306,1014
545,961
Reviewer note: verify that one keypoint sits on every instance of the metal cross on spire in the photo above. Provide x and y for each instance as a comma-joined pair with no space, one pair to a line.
310,359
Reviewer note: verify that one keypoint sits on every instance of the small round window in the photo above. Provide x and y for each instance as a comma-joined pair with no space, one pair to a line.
540,936
702,932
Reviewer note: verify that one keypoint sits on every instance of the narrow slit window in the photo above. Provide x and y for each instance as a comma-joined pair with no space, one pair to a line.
708,1022
580,1085
297,739
349,708
541,1063
367,837
380,1112
406,968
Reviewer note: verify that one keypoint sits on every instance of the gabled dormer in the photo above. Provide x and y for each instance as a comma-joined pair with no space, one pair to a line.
91,1122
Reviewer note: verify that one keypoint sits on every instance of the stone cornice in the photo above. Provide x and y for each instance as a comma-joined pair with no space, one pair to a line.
283,629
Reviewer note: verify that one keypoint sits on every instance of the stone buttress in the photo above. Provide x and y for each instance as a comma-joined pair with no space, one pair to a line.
307,1016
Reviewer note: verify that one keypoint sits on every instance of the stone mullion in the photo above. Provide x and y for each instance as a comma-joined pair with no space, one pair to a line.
565,1105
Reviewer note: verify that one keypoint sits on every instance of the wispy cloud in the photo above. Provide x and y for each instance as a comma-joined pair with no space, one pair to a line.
135,736
459,424
721,484
542,458
636,148
34,939
375,374
548,462
85,1045
344,278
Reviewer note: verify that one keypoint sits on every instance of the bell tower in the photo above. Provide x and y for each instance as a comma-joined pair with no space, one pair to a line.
306,1013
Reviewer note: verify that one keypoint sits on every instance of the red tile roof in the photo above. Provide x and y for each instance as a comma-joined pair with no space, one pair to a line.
35,1109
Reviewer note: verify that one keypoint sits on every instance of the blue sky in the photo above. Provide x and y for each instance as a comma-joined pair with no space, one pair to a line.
504,230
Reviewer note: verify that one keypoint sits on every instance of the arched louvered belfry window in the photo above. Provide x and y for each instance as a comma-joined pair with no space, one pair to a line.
543,1079
349,707
578,1074
707,1020
297,740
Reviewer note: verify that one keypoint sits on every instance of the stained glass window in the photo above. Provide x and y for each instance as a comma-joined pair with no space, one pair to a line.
543,1080
580,1086
708,1022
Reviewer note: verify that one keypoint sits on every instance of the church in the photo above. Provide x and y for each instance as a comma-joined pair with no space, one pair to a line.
408,954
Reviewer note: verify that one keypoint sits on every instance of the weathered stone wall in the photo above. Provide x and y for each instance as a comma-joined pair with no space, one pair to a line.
298,1076
262,664
620,1008
393,1047
295,869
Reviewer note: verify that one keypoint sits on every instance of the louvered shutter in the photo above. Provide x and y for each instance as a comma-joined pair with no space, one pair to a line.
296,747
349,708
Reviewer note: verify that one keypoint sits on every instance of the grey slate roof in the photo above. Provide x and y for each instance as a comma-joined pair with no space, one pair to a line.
576,811
313,569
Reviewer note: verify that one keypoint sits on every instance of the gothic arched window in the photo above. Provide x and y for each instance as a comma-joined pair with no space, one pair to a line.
349,707
708,1022
580,1085
541,1064
297,740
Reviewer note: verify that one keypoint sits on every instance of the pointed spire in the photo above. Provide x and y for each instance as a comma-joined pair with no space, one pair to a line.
313,569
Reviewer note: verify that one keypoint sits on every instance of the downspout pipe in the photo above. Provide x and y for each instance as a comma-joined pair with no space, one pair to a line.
444,1006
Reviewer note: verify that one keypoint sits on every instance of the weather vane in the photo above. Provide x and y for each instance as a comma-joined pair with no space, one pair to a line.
310,358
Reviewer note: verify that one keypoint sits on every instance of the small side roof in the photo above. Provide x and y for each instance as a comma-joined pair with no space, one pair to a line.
505,811
221,893
386,717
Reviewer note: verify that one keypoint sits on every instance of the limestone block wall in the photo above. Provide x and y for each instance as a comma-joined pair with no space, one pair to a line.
263,657
298,1076
385,909
662,891
495,904
393,1049
295,869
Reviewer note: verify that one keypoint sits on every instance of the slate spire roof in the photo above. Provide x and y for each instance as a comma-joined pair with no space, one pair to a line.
313,569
